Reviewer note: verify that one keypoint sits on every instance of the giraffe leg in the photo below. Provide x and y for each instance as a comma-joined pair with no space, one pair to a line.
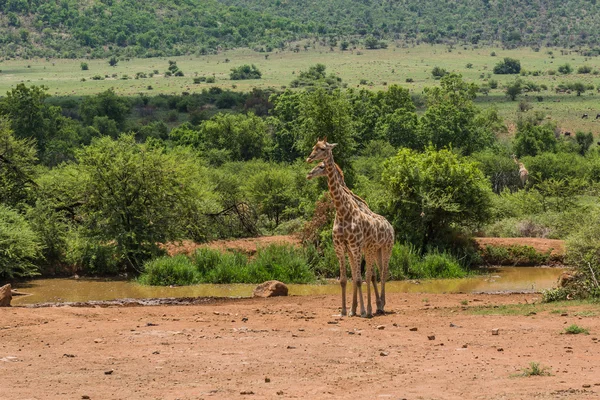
384,259
339,252
369,278
357,278
377,298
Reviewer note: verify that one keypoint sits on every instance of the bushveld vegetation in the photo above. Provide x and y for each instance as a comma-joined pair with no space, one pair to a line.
96,29
97,183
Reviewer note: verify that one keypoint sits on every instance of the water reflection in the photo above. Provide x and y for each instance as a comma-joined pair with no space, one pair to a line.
67,290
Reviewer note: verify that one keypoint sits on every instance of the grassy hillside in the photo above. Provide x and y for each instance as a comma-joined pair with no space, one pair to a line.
96,29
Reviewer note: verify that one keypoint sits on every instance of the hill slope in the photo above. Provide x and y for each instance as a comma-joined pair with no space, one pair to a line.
94,28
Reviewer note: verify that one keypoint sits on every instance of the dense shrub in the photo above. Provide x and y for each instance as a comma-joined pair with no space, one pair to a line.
166,271
508,66
437,265
514,255
245,72
19,246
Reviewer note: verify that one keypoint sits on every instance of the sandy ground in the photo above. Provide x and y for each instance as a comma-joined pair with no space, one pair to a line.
426,347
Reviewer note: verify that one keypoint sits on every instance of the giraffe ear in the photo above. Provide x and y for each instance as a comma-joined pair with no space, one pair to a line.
331,145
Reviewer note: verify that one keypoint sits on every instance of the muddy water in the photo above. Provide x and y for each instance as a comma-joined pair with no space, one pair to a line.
78,290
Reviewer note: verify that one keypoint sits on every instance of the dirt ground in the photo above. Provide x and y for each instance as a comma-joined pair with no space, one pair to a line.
427,347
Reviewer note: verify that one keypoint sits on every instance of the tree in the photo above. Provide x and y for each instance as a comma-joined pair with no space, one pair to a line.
113,61
241,137
508,66
451,118
532,138
565,69
29,114
20,246
584,141
438,72
272,190
245,72
578,87
84,66
135,195
434,195
17,168
513,90
105,104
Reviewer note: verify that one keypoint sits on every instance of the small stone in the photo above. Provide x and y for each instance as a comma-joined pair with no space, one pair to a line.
69,355
291,347
109,372
279,392
381,327
587,385
216,313
500,349
413,329
247,392
495,331
301,329
332,322
85,397
350,332
151,324
431,337
156,352
395,324
384,354
464,346
97,340
454,326
564,314
244,319
267,380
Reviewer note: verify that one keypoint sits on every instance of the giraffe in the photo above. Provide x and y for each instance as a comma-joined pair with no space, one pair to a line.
356,232
320,170
523,173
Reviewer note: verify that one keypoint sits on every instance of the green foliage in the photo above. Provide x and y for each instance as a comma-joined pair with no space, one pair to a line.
452,119
584,69
106,104
241,137
514,89
20,246
17,160
508,66
245,72
576,330
136,195
500,169
584,141
434,193
90,255
178,270
535,369
437,265
583,252
532,139
84,66
316,77
513,255
565,69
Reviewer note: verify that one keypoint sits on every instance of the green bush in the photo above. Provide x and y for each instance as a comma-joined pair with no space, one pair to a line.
437,265
513,255
19,246
403,258
583,252
164,271
245,72
281,262
90,256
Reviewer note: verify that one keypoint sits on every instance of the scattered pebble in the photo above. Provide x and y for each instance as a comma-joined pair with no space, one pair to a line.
244,319
384,354
564,314
332,322
301,329
151,324
464,346
454,326
109,372
69,355
350,332
267,380
156,352
587,385
291,347
97,340
413,329
247,392
500,349
495,331
431,337
380,327
85,396
395,324
279,392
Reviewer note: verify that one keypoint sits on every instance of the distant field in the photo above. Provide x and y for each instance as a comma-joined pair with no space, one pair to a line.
378,67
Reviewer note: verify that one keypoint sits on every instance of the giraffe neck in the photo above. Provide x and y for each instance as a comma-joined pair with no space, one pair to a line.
340,197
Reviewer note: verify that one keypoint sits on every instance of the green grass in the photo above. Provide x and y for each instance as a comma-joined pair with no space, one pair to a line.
576,330
282,263
514,255
535,369
392,65
558,307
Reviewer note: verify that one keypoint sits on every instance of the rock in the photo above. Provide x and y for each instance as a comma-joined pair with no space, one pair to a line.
271,289
5,295
431,337
267,380
384,354
565,279
380,327
495,331
413,329
109,372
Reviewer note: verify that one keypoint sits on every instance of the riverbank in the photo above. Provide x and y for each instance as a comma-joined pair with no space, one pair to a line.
429,346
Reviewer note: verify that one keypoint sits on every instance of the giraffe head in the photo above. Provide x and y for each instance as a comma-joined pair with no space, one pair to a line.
321,150
317,171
